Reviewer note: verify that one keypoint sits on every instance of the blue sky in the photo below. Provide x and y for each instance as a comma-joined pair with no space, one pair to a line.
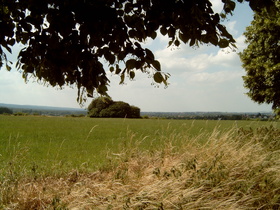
202,79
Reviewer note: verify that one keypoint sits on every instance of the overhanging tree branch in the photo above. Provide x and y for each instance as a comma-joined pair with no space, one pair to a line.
66,40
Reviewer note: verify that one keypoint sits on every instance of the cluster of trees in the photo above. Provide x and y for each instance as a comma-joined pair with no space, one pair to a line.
5,110
208,116
261,58
106,107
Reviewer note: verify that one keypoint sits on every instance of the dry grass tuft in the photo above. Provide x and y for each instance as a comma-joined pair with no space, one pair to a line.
232,170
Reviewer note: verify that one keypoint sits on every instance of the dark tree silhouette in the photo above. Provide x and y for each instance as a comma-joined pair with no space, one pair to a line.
65,40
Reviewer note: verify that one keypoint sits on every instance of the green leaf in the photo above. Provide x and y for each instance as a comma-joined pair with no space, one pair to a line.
154,35
192,42
128,7
132,74
132,33
130,64
156,65
184,37
158,77
213,39
118,70
11,42
138,64
170,43
229,6
102,89
171,32
122,79
223,16
8,67
163,30
223,30
110,57
121,56
223,43
8,48
149,54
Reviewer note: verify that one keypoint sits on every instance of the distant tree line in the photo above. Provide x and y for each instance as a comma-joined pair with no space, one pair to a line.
49,112
106,107
5,110
208,116
198,117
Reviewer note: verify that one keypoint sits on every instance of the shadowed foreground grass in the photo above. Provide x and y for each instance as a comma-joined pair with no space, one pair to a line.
236,169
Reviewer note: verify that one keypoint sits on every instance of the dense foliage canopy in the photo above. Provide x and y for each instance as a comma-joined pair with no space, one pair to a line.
65,41
106,107
261,59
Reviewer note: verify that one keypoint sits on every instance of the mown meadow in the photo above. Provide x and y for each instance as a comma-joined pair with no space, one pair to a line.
87,163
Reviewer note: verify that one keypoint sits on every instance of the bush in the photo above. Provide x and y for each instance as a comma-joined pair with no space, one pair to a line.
134,112
20,114
105,107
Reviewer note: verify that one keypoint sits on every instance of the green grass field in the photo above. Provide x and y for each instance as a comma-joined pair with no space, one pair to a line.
74,142
50,162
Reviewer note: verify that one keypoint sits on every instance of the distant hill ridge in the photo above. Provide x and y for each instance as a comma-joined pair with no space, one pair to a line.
44,110
38,107
62,111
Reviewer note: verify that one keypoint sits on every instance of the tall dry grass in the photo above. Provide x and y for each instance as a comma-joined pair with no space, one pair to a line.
237,169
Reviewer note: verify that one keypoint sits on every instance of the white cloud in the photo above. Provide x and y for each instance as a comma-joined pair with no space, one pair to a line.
190,60
180,64
231,27
224,58
240,43
214,78
217,5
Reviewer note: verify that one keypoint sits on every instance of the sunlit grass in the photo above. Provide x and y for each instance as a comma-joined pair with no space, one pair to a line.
82,163
70,142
